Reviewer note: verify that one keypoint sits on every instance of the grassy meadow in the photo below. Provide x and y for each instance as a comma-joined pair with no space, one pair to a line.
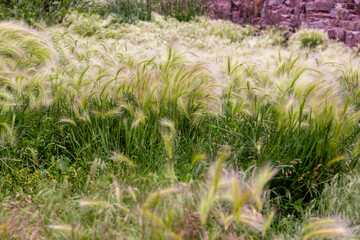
168,129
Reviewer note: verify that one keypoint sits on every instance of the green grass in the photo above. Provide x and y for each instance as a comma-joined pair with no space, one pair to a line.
181,10
33,11
310,38
53,12
175,130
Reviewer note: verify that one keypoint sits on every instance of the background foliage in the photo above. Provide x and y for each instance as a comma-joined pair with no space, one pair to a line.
33,11
54,11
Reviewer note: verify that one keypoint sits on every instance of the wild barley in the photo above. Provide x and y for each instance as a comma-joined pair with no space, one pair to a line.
61,227
122,159
95,204
329,228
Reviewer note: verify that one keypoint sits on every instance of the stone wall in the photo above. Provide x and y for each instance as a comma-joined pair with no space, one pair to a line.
340,18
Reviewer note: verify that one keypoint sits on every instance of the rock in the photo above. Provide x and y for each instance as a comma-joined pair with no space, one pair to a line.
236,16
274,2
320,6
340,18
317,25
317,15
350,25
352,38
337,33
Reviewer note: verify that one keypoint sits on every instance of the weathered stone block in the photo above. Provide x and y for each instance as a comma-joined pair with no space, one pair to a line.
324,6
351,25
274,2
317,25
337,33
236,16
352,38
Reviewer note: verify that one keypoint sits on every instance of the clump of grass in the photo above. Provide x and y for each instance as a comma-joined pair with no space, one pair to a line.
181,10
311,39
88,25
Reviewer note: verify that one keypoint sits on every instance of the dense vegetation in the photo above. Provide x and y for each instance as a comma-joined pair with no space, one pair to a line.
130,11
116,128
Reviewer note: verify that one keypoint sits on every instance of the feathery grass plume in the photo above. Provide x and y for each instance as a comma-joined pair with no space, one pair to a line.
7,131
19,42
267,224
167,133
122,159
216,170
335,160
140,117
132,193
239,199
97,165
250,217
237,191
5,95
259,180
63,228
198,158
327,228
117,191
68,121
110,113
153,199
171,173
164,230
118,194
210,197
225,219
355,154
149,206
95,203
33,153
